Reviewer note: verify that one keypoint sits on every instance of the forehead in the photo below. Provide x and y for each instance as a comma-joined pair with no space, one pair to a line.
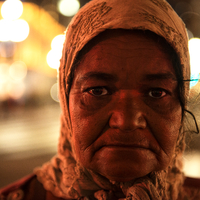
127,52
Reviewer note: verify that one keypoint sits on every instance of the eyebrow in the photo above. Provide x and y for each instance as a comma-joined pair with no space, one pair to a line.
159,76
112,78
99,76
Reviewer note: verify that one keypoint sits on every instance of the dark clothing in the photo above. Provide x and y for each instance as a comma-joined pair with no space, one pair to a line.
29,188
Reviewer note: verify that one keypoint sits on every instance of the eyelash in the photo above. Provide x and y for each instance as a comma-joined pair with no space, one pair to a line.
98,87
160,90
89,90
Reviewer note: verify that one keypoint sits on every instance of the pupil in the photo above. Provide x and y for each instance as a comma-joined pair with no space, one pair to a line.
156,93
97,91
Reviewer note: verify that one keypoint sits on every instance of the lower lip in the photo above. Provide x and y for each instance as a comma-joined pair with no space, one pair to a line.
124,152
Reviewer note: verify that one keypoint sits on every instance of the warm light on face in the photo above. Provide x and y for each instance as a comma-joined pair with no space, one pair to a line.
12,9
68,7
194,49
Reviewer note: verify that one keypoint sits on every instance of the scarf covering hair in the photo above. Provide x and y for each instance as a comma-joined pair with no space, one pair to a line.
63,175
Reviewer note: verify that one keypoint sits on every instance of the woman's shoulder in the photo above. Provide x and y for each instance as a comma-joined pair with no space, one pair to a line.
27,188
20,189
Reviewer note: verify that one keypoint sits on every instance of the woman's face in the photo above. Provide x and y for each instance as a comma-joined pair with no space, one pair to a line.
124,108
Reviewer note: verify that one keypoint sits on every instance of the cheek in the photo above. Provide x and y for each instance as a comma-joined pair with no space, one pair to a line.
86,128
166,130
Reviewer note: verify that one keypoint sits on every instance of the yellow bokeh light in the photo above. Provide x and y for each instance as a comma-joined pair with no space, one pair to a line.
13,30
68,7
5,27
20,30
194,49
57,42
12,9
53,58
55,54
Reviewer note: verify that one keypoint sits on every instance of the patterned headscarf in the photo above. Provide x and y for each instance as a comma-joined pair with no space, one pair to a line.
63,175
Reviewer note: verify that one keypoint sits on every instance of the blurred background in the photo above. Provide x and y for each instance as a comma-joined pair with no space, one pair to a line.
31,39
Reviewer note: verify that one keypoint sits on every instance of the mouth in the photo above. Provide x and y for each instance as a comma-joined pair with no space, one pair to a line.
126,146
135,142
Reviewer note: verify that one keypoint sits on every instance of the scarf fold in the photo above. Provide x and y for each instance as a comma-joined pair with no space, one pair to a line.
63,175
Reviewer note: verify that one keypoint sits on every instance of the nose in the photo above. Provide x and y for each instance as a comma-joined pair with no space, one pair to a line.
128,113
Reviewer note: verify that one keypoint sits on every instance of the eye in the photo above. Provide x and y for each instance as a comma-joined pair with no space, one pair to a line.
157,93
98,91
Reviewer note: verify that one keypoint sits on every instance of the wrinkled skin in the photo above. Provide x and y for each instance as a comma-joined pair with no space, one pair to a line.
124,107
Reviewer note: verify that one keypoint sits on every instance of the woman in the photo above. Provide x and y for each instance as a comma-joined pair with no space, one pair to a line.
123,94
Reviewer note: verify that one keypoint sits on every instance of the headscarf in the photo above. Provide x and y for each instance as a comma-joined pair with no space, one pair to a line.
64,176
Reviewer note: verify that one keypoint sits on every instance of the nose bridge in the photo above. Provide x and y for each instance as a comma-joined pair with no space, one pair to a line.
127,111
128,100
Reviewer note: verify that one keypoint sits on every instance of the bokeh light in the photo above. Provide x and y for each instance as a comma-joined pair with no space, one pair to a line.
4,80
54,92
53,58
192,165
11,80
194,49
4,76
11,9
18,70
16,90
57,42
190,34
20,30
13,30
68,7
55,54
3,93
5,27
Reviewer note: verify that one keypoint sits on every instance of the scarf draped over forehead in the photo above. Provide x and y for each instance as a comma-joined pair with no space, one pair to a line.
63,175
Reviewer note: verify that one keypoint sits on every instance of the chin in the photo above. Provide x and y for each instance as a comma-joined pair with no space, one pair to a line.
125,175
